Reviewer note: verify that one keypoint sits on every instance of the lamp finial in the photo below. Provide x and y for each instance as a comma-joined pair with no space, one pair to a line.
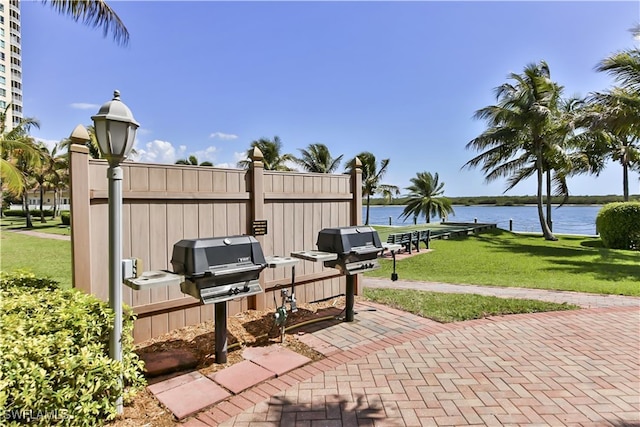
116,95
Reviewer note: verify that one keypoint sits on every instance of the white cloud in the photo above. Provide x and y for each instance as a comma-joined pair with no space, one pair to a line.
84,106
158,151
223,136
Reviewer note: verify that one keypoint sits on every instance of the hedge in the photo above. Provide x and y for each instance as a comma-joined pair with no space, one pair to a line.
21,213
619,225
65,217
54,355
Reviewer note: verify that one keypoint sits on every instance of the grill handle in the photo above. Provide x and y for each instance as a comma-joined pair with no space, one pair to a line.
244,269
365,251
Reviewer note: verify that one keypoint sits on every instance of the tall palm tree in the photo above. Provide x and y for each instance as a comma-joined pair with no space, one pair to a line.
192,161
425,198
14,142
520,132
95,13
41,174
273,159
371,177
617,112
317,158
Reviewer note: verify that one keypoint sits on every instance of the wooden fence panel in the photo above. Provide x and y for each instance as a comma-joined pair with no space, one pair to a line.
163,204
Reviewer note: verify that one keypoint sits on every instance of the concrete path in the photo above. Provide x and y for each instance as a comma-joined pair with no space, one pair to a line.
390,368
41,235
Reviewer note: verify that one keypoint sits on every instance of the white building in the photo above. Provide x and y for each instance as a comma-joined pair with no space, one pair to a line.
10,61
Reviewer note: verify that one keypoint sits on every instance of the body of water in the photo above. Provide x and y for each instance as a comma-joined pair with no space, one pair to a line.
567,219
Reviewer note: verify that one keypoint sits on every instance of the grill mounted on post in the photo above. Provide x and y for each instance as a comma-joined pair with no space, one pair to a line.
219,269
356,248
351,250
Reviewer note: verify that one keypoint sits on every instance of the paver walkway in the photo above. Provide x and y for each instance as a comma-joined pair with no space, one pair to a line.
390,368
42,235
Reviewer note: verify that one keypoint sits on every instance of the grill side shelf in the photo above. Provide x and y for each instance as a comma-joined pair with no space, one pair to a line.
315,256
154,279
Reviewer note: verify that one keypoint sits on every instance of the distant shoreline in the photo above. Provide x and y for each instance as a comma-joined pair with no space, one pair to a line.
514,200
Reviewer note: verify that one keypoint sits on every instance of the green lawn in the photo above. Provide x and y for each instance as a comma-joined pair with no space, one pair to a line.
53,226
501,258
43,257
443,307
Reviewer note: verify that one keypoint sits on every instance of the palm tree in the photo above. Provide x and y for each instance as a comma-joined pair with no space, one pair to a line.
16,142
371,176
272,158
424,198
616,113
520,132
41,174
317,158
192,161
95,13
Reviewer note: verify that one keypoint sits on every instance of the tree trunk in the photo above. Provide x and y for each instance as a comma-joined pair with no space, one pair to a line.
625,181
546,232
41,204
25,204
549,200
366,222
55,203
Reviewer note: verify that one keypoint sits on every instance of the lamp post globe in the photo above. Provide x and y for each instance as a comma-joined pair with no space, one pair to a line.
115,129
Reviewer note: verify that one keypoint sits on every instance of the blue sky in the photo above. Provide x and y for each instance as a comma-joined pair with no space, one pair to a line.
399,79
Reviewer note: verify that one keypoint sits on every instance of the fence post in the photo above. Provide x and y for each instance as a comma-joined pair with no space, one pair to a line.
356,208
259,301
80,206
356,191
511,224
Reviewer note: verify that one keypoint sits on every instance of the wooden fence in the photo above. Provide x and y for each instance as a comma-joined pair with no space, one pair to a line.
163,204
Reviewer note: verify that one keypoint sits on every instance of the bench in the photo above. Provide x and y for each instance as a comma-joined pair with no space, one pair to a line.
408,240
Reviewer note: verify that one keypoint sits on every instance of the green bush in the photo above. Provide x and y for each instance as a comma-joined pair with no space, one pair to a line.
65,217
54,355
619,225
32,212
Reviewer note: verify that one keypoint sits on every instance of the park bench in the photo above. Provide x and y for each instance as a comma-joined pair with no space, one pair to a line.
408,240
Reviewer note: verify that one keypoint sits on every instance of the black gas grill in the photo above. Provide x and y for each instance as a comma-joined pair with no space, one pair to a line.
357,248
219,269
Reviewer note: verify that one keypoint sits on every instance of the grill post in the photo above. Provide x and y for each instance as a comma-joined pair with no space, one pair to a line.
349,296
220,327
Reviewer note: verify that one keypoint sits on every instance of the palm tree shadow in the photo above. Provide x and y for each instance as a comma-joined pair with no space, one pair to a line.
607,265
333,410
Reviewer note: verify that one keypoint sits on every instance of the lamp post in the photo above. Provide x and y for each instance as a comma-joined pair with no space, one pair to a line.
115,131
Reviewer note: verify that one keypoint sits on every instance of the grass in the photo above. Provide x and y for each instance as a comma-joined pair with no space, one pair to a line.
53,226
501,258
43,257
443,307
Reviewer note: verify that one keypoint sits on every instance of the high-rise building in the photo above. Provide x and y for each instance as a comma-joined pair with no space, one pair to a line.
10,62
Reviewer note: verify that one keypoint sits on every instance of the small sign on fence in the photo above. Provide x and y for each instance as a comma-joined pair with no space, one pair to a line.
259,227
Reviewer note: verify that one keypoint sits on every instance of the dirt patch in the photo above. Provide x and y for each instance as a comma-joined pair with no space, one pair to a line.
246,329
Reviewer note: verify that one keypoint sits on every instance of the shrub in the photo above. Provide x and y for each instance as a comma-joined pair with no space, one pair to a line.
55,364
65,217
619,225
32,212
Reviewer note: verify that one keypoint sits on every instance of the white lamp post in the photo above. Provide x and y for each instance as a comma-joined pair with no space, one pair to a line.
116,131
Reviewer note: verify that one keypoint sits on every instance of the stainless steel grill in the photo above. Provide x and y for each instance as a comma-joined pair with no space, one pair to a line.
356,248
219,269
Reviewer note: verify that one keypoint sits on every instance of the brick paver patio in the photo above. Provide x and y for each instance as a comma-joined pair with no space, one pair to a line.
390,368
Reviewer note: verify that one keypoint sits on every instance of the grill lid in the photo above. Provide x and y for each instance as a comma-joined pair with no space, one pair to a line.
359,240
218,256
